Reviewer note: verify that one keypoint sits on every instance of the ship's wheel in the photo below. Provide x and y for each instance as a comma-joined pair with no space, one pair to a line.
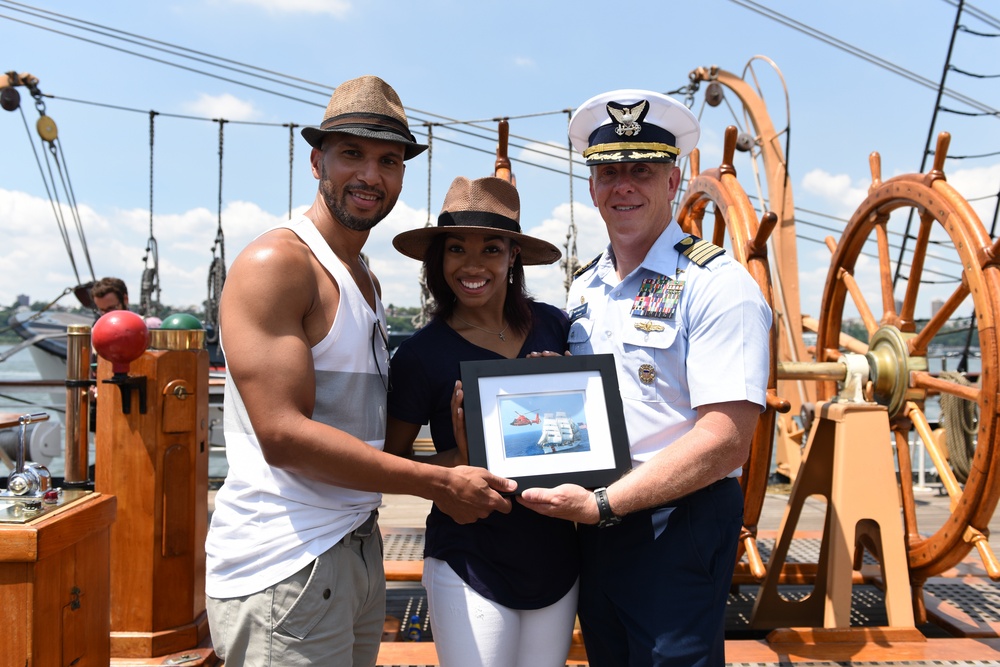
949,240
733,224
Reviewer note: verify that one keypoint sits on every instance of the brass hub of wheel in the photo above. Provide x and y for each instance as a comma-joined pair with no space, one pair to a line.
890,365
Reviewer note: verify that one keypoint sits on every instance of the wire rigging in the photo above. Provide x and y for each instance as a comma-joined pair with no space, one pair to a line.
933,124
423,314
291,164
570,261
48,134
149,298
860,53
217,269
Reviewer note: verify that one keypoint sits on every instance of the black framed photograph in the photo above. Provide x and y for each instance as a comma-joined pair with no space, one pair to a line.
547,421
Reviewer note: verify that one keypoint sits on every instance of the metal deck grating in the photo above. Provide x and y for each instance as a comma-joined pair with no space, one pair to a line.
403,545
805,550
980,598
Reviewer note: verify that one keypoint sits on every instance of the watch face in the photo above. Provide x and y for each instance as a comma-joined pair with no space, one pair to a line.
609,521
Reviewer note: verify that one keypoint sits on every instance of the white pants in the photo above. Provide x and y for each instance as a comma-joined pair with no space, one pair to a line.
471,631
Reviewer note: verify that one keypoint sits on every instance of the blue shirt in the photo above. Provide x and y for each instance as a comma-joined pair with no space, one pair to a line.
522,560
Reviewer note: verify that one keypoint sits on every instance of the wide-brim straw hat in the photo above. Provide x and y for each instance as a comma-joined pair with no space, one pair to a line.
366,107
488,206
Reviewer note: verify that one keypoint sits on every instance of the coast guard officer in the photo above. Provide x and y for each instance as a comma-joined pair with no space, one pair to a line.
689,330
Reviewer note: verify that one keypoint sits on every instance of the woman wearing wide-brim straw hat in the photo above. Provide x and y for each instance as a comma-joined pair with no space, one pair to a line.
502,591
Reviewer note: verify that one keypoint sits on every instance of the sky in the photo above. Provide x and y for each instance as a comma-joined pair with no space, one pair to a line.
449,60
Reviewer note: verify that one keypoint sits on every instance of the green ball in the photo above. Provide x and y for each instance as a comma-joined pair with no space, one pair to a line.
181,321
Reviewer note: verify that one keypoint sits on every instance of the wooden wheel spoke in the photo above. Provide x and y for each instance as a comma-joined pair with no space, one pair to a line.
859,301
917,267
918,344
938,456
889,315
696,214
924,380
719,231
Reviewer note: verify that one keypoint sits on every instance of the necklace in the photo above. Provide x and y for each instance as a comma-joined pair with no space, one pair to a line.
494,333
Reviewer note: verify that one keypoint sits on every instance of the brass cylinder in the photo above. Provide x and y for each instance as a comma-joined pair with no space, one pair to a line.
77,404
176,339
811,370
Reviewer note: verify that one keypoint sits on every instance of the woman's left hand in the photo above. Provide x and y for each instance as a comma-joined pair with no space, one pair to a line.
458,423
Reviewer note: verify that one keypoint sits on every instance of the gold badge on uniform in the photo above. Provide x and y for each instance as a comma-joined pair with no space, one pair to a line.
649,325
647,374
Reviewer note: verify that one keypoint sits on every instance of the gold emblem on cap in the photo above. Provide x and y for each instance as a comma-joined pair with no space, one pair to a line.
647,374
627,118
648,325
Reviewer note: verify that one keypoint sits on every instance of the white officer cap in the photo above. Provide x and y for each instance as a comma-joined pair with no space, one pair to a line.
632,125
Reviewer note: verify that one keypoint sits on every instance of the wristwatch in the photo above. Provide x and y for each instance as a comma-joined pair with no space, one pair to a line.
608,517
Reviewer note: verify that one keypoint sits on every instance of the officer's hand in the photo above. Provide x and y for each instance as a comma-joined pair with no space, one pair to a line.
566,501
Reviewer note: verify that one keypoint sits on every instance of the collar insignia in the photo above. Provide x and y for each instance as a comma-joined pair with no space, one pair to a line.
628,118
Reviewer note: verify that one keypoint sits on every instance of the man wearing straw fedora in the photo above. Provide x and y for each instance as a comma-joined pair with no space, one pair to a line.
689,330
294,561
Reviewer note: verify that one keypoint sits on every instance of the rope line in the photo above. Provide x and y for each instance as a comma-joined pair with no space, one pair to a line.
960,418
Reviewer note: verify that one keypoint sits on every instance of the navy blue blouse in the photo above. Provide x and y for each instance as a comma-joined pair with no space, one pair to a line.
522,560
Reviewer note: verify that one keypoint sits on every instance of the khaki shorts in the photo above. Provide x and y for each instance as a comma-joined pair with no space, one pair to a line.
330,612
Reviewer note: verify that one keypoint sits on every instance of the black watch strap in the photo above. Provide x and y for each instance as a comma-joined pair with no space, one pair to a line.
607,516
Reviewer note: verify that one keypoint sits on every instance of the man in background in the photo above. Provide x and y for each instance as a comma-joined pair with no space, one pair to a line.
109,294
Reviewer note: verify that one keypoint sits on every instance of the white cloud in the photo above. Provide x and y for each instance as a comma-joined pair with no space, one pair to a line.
547,283
336,8
837,190
225,106
979,186
523,61
39,264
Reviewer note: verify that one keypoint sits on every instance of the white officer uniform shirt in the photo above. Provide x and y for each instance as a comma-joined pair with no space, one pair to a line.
714,349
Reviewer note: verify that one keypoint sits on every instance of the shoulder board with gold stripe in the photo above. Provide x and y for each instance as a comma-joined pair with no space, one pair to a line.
579,272
699,251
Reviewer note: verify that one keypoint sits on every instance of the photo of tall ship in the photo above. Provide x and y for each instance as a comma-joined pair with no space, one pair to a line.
559,433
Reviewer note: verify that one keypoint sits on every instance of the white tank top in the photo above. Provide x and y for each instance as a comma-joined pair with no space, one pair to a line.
268,523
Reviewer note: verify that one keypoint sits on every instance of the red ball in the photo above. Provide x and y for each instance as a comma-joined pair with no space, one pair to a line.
121,337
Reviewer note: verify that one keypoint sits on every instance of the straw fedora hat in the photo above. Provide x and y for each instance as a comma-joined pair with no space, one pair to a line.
366,107
484,206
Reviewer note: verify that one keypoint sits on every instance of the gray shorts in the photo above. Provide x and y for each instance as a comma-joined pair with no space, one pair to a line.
330,612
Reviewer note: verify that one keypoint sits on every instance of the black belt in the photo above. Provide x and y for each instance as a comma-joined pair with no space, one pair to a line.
368,528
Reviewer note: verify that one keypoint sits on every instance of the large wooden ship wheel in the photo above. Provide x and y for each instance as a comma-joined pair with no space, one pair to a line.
950,239
734,220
